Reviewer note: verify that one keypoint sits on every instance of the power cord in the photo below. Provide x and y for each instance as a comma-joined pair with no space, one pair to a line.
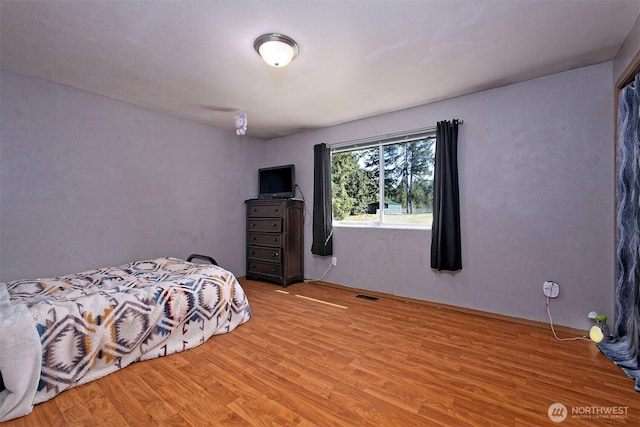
548,304
308,280
306,208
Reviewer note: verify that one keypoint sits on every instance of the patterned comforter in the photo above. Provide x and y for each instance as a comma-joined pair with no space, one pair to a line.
94,323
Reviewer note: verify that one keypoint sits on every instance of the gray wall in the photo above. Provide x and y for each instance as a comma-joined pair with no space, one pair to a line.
627,51
536,186
87,181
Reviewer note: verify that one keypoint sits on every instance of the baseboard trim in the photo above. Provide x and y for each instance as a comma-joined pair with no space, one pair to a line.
458,309
454,308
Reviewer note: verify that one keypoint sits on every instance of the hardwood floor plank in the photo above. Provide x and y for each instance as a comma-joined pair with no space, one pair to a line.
147,395
132,403
265,412
301,362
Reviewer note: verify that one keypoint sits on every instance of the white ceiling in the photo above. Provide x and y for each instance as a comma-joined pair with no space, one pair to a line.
195,59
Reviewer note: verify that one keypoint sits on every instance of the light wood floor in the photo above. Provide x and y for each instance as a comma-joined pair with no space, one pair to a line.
385,363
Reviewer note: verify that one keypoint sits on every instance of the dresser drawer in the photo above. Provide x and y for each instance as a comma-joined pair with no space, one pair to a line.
262,239
265,254
275,240
268,210
265,224
264,268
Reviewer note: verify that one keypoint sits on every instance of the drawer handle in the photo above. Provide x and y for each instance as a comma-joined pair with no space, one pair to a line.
253,238
253,224
275,210
274,224
253,252
275,239
273,270
275,254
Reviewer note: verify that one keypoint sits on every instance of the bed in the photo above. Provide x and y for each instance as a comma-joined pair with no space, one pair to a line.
62,332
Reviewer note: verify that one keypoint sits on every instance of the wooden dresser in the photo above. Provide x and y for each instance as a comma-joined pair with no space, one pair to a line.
275,240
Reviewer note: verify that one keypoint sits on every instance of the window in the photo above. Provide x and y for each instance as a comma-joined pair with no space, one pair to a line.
395,190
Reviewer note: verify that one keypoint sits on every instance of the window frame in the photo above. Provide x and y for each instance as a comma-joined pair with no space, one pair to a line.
381,142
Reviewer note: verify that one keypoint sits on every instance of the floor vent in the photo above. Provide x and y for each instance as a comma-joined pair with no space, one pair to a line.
367,297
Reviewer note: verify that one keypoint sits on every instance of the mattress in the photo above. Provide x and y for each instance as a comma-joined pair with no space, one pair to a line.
61,332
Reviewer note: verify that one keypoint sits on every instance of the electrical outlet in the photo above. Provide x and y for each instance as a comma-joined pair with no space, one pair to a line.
550,289
334,260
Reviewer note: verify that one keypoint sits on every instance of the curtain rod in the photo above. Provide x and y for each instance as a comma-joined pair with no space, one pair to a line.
370,139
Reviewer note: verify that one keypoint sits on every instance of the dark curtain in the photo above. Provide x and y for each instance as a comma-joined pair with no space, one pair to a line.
445,230
322,229
624,349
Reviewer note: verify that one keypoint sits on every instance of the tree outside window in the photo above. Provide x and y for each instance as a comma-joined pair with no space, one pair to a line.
407,173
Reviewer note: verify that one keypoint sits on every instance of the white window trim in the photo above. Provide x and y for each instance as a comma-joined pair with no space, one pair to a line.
381,141
378,226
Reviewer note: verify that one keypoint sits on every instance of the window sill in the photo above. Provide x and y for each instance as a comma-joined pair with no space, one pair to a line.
375,225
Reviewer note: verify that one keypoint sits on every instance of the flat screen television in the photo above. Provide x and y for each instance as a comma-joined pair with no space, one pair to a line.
278,182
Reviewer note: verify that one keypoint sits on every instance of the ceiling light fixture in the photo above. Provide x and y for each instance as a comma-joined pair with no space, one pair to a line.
276,49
